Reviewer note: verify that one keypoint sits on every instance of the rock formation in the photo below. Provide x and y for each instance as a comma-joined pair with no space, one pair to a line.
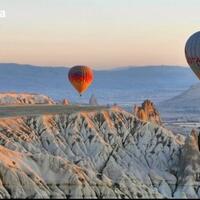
89,154
107,154
93,101
189,172
24,98
147,112
65,102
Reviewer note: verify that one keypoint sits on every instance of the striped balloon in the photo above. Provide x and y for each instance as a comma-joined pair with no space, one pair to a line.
192,53
80,77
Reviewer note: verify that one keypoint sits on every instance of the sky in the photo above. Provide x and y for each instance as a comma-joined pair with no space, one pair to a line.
97,33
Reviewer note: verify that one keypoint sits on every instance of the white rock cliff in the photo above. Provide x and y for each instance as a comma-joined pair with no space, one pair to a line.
95,154
107,154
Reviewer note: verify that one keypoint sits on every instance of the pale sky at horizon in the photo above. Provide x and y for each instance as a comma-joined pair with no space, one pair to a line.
98,33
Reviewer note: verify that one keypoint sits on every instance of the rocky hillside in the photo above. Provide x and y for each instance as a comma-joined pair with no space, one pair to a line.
24,98
147,112
189,171
183,106
94,154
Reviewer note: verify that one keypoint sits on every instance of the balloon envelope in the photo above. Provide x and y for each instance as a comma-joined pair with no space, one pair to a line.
192,53
80,77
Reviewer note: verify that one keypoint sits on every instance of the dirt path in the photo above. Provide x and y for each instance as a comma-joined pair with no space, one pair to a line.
32,110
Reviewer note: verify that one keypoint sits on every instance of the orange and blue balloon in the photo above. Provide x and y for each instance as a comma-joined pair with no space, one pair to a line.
81,77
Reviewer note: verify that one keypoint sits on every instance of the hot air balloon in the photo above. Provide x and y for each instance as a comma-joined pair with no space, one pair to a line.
80,77
192,53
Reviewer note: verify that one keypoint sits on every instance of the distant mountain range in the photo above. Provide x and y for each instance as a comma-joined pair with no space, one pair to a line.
185,105
124,85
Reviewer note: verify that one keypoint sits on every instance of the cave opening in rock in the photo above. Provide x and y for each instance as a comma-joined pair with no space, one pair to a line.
197,176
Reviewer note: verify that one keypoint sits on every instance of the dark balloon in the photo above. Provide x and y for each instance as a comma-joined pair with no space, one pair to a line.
192,53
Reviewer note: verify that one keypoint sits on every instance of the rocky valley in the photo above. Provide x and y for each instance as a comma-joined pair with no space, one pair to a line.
97,154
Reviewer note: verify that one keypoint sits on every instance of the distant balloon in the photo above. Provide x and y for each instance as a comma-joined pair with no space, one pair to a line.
80,77
192,53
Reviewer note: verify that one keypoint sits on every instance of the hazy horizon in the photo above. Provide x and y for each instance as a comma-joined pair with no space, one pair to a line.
98,33
102,67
